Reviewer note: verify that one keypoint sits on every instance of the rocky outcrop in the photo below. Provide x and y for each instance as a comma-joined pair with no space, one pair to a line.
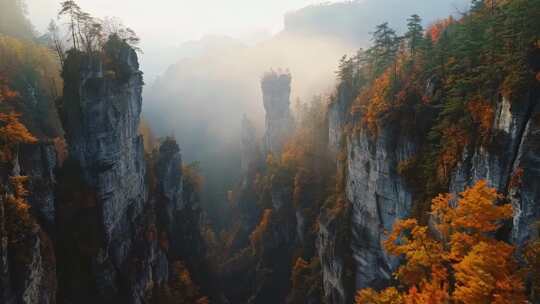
178,207
27,258
169,169
113,220
101,114
511,163
379,197
331,251
38,162
276,89
339,115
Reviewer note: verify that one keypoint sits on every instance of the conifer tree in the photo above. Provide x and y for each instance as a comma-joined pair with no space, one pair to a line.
415,33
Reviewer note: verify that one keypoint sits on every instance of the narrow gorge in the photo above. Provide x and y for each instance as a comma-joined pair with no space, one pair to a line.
415,179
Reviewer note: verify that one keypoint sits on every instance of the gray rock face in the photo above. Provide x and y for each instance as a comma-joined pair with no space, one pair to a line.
379,197
38,163
276,88
250,148
338,116
21,267
169,169
102,133
101,114
332,264
511,166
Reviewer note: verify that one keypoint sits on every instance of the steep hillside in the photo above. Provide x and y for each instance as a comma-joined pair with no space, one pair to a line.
433,111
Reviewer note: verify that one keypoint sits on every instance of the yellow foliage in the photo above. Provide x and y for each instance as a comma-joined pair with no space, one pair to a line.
12,133
369,296
20,56
257,234
19,222
376,100
459,261
488,274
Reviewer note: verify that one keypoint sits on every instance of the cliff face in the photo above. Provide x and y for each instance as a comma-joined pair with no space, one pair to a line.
101,110
276,88
27,258
339,115
333,251
102,133
122,217
379,195
511,164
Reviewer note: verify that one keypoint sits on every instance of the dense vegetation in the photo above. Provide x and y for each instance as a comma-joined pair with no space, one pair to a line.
457,259
440,85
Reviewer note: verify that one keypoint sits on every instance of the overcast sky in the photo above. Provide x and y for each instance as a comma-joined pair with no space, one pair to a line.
180,20
164,24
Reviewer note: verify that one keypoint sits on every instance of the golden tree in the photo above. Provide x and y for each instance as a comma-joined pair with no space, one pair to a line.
458,260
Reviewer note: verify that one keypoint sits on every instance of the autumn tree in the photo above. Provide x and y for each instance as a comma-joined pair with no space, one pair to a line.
458,259
257,235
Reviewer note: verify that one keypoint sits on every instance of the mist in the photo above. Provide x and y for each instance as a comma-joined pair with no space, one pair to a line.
203,61
201,99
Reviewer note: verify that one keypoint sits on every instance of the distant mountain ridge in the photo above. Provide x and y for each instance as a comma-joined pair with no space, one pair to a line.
351,21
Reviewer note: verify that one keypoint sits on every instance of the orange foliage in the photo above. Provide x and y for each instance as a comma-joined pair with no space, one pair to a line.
455,139
457,261
488,274
183,289
299,267
435,30
18,220
538,76
369,296
257,234
482,113
376,100
6,93
12,133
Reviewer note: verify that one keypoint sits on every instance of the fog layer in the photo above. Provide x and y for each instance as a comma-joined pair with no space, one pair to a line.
201,98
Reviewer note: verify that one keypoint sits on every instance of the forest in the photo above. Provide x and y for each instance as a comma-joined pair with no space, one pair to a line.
413,179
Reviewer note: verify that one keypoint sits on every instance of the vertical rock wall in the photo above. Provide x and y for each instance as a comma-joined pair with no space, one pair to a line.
276,89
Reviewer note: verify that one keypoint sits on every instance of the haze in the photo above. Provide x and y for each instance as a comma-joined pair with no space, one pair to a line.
164,24
203,60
